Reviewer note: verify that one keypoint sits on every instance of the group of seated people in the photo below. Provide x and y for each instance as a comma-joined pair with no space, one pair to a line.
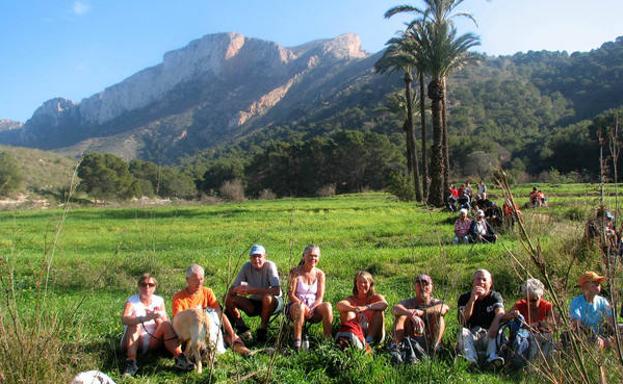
418,321
477,230
463,196
537,198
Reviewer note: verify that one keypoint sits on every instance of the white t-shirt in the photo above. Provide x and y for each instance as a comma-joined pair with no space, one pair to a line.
138,309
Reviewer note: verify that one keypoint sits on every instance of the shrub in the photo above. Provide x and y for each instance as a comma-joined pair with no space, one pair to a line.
10,175
400,186
326,190
267,194
232,190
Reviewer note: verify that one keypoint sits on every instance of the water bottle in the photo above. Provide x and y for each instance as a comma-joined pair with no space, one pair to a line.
305,344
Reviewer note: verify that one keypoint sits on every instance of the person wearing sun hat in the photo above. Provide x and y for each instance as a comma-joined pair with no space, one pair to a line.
590,311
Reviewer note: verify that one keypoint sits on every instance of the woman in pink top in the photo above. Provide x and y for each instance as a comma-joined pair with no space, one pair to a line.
306,293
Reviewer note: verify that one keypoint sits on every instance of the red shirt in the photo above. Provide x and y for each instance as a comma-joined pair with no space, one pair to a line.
544,309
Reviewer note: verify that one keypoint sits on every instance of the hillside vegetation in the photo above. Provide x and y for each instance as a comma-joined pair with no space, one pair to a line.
41,169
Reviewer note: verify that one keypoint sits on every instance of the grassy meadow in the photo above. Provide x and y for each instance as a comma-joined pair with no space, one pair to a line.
96,254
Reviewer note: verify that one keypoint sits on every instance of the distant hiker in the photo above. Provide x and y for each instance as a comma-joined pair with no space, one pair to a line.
532,324
462,227
482,190
306,293
366,307
592,313
511,213
453,196
195,295
480,312
537,198
257,292
420,319
480,230
602,223
147,326
541,200
468,190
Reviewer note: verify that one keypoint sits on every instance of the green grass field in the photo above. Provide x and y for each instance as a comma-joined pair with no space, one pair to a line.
97,253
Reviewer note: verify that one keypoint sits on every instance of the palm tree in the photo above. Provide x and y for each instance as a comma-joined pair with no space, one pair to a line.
444,52
433,26
398,57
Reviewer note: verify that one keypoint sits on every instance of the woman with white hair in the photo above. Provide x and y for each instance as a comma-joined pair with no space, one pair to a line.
536,311
461,227
534,317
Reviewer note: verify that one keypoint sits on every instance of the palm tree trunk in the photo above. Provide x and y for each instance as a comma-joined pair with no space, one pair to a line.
405,127
444,119
411,138
423,122
435,194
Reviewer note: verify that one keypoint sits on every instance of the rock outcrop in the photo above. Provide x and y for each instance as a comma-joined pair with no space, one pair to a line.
200,95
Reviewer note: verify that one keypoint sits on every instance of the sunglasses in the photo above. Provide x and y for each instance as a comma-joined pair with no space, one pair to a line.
150,285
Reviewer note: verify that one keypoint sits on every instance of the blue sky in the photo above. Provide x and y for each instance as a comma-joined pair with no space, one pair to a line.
75,48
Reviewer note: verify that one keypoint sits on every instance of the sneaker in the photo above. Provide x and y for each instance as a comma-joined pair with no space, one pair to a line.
261,335
495,362
130,368
182,363
246,336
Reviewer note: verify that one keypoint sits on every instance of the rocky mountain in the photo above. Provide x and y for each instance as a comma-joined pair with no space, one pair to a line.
227,90
204,94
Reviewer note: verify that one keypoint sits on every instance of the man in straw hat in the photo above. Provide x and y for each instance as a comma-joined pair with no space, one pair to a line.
591,312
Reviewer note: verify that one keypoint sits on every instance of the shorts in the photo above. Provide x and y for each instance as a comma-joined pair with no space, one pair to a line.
257,306
144,339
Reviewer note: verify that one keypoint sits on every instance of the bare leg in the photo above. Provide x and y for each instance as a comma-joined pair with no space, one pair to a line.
269,303
165,334
376,326
437,327
399,328
326,312
131,341
297,313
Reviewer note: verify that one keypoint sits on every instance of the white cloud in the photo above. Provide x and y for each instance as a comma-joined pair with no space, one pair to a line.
80,8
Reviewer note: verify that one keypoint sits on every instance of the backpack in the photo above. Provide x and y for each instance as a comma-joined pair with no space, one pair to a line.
518,343
408,351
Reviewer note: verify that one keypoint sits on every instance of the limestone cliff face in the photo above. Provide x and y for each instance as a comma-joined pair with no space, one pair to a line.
7,124
197,96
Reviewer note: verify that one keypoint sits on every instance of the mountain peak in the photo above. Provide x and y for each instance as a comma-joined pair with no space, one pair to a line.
345,46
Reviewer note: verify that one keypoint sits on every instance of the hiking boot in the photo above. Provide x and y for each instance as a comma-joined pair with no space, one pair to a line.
130,368
182,363
261,335
495,362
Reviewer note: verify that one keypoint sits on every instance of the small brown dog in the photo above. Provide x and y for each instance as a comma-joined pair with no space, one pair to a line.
193,326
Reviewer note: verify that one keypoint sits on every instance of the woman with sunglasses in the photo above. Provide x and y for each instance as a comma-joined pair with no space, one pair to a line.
147,326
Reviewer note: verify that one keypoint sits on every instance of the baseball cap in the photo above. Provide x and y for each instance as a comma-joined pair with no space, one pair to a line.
590,277
257,249
480,212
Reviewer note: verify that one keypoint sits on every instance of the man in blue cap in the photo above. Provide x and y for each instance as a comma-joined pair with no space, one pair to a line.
256,291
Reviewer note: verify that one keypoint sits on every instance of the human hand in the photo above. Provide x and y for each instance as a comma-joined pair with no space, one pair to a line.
308,312
477,292
241,290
